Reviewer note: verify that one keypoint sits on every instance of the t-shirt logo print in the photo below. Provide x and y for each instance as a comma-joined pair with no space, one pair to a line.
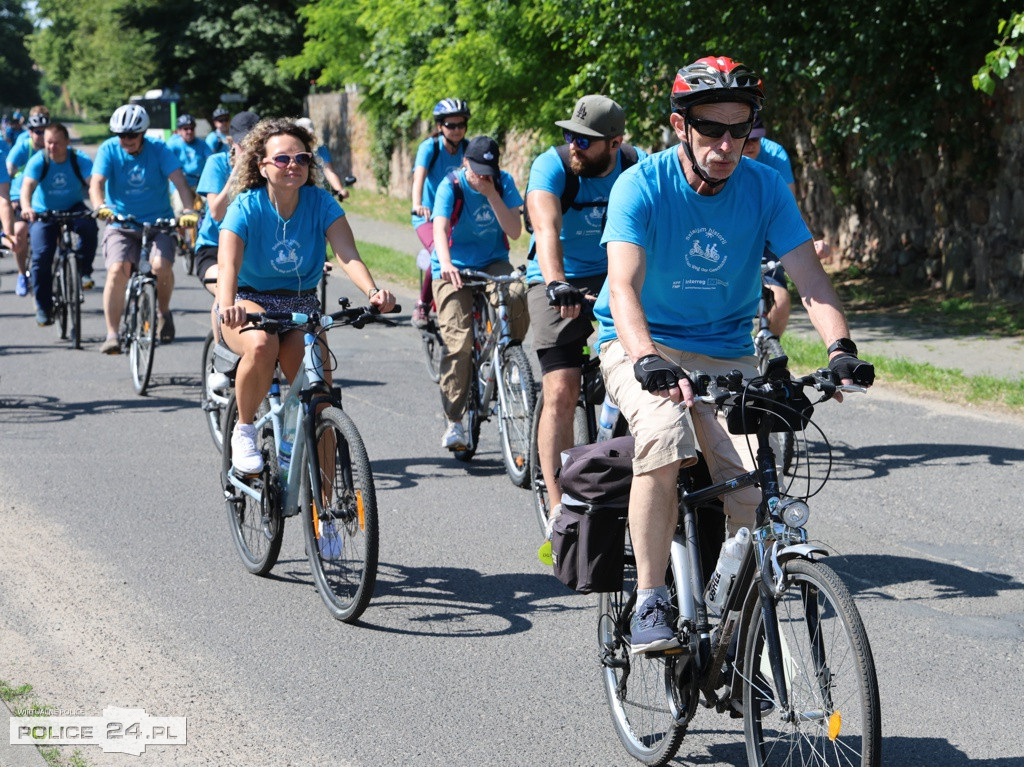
286,257
703,254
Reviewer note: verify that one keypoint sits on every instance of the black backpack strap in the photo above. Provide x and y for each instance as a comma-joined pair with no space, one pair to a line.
435,152
75,168
572,181
629,156
46,167
460,201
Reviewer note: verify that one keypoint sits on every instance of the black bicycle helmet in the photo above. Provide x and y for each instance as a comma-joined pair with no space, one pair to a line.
450,108
716,79
39,120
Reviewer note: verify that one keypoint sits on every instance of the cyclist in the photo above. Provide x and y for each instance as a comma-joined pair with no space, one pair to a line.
6,209
25,146
130,177
476,211
436,157
685,234
334,184
56,180
217,139
192,153
215,185
271,256
569,262
766,151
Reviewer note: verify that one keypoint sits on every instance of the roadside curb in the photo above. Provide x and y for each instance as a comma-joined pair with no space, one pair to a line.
15,756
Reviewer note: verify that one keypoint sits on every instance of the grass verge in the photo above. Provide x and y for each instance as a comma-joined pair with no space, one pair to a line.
948,384
23,703
389,265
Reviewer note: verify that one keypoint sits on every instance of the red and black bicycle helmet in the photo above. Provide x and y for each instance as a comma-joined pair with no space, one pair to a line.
716,79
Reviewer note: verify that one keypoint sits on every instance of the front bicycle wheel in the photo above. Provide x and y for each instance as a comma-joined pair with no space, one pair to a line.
341,524
73,294
257,527
832,716
433,349
518,398
212,400
580,436
142,342
641,689
60,302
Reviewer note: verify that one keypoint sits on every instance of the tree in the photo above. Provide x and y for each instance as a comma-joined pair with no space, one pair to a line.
1000,61
19,85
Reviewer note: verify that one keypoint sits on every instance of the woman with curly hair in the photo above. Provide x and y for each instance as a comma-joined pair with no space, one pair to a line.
270,258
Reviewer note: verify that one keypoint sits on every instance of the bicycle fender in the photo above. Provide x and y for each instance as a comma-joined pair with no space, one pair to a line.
802,551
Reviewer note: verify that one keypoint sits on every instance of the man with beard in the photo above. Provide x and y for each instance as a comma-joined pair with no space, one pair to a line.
567,265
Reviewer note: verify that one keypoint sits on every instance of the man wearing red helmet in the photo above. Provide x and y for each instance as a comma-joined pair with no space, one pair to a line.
685,233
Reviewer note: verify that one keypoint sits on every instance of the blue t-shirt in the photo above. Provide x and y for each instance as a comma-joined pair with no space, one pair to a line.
279,254
477,239
443,165
774,156
136,185
215,176
17,158
703,253
192,157
5,177
215,140
582,254
60,189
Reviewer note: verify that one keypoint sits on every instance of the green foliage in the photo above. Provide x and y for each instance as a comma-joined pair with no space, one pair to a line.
19,85
1000,61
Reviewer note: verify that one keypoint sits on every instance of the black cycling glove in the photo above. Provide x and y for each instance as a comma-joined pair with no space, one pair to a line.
561,293
656,373
857,370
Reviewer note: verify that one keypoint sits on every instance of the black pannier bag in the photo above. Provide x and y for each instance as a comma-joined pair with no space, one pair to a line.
588,538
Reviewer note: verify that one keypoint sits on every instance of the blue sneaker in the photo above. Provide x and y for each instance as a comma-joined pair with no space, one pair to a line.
43,318
21,289
651,627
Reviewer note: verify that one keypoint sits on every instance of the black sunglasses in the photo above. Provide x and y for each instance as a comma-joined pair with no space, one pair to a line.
129,135
37,131
713,129
574,138
454,126
302,159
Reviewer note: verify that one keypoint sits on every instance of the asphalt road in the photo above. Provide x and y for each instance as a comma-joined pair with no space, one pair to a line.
119,585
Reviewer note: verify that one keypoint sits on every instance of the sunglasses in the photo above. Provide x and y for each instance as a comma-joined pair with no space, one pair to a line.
129,136
713,129
454,126
302,159
582,142
37,131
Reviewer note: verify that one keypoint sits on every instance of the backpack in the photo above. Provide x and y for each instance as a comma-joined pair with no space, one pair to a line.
74,166
460,201
435,146
572,188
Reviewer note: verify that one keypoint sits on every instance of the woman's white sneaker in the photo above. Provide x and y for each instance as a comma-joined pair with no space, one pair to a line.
245,457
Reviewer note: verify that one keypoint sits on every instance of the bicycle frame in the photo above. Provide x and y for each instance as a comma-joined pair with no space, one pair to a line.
498,337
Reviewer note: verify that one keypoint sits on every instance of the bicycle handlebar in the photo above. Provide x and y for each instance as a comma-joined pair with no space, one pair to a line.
356,316
64,215
727,389
167,225
481,278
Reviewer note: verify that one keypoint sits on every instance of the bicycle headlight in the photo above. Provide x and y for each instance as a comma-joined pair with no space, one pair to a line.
794,513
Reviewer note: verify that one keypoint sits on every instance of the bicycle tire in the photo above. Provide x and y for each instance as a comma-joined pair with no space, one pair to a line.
834,717
60,302
73,283
519,394
541,503
433,349
212,409
482,321
142,342
640,689
344,564
257,527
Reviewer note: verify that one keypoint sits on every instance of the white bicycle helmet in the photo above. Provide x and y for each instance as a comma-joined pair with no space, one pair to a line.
131,118
451,108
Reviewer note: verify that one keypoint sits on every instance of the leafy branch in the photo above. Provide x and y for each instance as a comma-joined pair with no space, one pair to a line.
999,62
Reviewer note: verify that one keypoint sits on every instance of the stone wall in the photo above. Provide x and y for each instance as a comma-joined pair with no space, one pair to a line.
915,219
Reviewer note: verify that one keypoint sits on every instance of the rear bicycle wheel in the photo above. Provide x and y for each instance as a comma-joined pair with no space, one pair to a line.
143,340
341,524
60,302
211,400
518,398
832,717
640,689
73,288
257,527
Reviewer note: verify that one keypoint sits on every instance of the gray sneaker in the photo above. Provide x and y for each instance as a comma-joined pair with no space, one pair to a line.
110,346
455,437
651,627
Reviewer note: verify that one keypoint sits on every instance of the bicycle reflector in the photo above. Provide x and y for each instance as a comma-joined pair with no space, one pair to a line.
794,512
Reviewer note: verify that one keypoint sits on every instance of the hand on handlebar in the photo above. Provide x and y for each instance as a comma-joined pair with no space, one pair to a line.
383,300
232,316
450,273
188,218
663,378
852,370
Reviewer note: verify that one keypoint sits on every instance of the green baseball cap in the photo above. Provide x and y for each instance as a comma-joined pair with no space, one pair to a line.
596,117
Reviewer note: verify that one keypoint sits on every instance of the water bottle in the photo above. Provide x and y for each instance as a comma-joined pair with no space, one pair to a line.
288,432
606,423
729,561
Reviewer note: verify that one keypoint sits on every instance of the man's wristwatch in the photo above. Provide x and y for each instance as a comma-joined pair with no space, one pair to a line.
844,345
372,292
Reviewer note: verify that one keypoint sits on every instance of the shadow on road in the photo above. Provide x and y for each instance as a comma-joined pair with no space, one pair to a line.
41,409
871,572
